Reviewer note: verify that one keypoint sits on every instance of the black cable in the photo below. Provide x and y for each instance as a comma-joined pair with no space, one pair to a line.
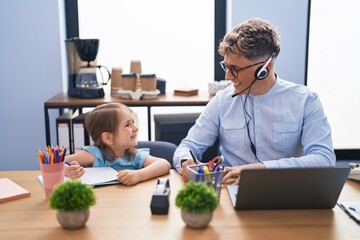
248,87
252,145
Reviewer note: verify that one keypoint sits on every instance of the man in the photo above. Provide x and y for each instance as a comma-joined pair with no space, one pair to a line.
261,120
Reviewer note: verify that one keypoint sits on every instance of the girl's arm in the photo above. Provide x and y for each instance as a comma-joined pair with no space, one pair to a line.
78,161
153,167
83,158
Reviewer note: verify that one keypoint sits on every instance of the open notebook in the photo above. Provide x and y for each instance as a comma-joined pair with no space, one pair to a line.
291,188
95,176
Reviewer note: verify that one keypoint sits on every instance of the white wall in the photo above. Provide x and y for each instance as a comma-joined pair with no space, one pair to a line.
176,48
30,73
333,64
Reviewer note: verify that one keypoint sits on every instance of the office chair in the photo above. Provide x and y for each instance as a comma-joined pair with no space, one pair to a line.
174,127
160,149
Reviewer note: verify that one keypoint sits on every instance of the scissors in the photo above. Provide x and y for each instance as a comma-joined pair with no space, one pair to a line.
214,163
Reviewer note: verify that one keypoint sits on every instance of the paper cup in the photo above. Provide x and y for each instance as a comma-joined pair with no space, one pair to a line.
116,80
148,82
129,81
52,175
135,66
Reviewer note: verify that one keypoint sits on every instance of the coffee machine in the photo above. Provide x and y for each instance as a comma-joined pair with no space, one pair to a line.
82,69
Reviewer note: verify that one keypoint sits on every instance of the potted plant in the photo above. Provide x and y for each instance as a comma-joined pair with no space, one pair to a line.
197,202
72,200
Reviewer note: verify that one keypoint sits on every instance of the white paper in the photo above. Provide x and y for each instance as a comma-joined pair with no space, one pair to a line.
95,176
352,209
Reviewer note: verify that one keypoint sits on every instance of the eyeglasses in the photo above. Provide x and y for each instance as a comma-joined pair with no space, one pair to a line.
234,70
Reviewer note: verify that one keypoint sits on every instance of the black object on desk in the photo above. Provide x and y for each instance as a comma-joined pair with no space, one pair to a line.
161,85
160,198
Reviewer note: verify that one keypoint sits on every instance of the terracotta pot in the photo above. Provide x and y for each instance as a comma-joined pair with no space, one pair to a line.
72,219
196,220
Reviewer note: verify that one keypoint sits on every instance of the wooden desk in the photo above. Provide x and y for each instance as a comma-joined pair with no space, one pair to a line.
62,101
123,212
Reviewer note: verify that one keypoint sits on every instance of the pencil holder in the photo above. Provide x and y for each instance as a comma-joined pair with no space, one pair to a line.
52,174
212,179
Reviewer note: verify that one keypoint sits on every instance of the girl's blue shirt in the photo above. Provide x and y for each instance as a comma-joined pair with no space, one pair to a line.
137,162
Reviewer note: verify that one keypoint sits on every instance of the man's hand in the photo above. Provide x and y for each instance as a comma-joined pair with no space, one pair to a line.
184,171
235,172
232,172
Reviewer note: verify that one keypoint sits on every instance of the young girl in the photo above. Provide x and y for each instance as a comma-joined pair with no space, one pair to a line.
114,130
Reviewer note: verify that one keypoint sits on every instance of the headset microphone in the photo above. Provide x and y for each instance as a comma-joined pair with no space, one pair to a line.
235,94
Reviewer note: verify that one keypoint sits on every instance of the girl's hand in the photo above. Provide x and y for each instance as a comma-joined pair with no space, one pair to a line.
128,177
74,171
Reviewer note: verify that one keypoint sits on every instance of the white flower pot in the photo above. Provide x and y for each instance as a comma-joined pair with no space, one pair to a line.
196,220
72,219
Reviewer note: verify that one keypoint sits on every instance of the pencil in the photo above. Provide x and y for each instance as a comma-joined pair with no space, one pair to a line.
193,157
40,156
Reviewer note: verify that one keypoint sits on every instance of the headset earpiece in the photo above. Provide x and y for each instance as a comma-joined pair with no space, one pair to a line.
262,72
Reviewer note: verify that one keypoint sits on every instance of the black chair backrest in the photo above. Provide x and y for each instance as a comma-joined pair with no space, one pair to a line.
160,149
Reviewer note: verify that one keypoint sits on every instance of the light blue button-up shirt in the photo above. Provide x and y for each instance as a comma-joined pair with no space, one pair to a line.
288,128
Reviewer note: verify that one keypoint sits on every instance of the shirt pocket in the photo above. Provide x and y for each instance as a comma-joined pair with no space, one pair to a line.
233,133
286,135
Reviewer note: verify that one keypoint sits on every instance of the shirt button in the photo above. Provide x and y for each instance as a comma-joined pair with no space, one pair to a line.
258,130
286,128
257,110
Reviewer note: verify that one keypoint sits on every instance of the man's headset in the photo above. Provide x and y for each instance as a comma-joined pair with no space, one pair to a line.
260,74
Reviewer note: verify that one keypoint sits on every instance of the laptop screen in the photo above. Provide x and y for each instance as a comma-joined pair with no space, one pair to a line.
291,188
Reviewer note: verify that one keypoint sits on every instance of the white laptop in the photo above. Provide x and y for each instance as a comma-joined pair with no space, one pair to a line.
290,188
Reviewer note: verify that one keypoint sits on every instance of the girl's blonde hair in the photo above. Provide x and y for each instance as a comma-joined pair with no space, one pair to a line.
106,118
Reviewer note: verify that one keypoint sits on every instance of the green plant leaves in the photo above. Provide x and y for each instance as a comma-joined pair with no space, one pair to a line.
197,197
72,196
